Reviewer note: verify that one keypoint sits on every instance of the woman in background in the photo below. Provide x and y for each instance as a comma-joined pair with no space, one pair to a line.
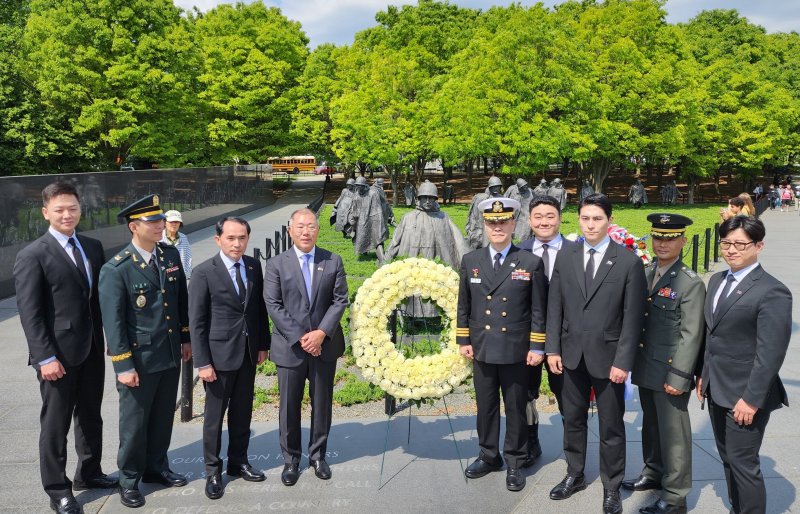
178,240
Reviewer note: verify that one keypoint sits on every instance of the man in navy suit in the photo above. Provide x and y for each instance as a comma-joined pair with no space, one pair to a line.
748,327
595,318
56,283
546,243
230,336
305,289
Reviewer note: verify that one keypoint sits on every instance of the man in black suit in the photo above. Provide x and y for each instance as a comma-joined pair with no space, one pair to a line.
502,299
595,317
546,243
56,284
230,336
748,316
305,289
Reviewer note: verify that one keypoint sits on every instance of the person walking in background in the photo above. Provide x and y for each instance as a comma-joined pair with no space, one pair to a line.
787,197
172,236
502,304
548,244
748,316
749,209
305,290
230,336
665,364
56,284
595,318
145,308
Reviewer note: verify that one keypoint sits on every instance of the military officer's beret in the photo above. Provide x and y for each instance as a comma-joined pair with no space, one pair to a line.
144,209
668,226
498,209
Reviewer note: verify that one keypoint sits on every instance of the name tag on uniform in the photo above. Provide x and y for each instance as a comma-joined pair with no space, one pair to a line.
474,281
521,275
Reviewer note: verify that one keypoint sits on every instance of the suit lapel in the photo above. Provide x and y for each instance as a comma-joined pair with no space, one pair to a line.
316,274
603,267
665,279
486,266
737,293
301,282
142,267
578,267
224,277
56,248
250,284
509,264
713,285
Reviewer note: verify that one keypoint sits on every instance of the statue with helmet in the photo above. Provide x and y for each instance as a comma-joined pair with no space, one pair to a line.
476,237
368,219
523,194
541,189
558,192
341,209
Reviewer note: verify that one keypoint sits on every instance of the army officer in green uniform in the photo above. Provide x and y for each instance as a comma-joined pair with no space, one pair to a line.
668,352
144,302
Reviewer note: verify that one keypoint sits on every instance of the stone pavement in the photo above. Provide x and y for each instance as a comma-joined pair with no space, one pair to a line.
422,472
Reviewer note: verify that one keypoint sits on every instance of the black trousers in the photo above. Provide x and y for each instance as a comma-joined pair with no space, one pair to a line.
738,446
610,398
291,383
77,395
556,384
231,391
146,414
512,380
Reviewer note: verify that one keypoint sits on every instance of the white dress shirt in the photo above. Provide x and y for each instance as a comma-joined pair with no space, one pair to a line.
301,258
503,253
553,247
738,276
600,251
229,265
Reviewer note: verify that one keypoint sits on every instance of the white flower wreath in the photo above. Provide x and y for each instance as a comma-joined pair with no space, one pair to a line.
429,376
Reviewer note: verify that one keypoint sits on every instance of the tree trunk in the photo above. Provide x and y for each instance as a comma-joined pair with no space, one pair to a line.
448,172
691,182
717,175
659,175
419,171
485,165
648,171
468,165
600,169
394,175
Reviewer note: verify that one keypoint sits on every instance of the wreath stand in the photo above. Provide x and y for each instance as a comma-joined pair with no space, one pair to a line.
391,408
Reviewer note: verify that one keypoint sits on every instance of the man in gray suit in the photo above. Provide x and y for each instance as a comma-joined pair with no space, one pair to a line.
748,316
305,290
595,317
230,336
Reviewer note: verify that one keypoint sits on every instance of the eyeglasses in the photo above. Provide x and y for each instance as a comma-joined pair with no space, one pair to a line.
738,245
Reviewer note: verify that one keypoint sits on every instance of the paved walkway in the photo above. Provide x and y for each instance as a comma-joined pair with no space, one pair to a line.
421,470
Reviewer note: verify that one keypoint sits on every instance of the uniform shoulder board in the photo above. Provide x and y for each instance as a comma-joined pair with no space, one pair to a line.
120,258
689,272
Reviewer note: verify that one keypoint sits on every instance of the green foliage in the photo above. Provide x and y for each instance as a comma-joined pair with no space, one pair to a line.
263,396
267,368
356,391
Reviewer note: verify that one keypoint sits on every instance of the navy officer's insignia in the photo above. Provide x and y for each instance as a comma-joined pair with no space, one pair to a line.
497,206
664,218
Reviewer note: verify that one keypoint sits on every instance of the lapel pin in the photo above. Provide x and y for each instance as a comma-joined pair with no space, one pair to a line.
319,269
512,264
610,263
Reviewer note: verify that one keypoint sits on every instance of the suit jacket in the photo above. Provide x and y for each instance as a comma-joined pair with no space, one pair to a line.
146,317
674,329
223,329
603,325
566,244
747,341
502,315
293,314
60,314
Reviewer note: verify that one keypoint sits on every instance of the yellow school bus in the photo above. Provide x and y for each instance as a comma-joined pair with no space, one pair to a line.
293,163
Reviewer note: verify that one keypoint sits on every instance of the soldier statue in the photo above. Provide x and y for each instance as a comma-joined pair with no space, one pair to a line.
670,194
368,219
449,193
476,238
523,194
586,190
377,188
542,189
637,195
427,232
410,194
342,207
558,192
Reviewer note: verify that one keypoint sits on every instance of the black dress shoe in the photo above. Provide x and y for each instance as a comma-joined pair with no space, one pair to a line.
481,468
66,505
291,472
166,478
611,502
321,469
247,472
642,483
214,489
131,497
567,487
662,507
515,480
101,481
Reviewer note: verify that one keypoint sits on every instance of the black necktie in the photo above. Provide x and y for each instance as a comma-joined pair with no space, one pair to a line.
78,260
154,266
589,275
239,282
546,260
725,291
497,262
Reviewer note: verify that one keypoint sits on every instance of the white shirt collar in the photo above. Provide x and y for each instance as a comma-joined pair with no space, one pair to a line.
228,262
503,252
144,253
300,253
61,238
599,248
554,244
739,275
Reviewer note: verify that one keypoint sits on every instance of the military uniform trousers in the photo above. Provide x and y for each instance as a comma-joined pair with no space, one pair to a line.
232,391
667,443
78,394
512,380
146,414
